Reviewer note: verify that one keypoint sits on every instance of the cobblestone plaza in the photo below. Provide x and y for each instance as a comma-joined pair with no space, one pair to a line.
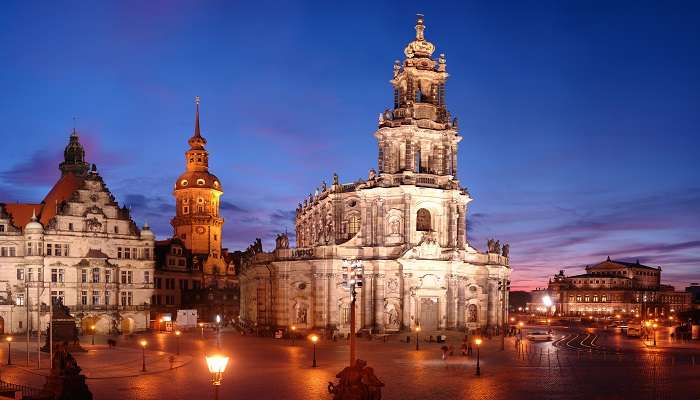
577,365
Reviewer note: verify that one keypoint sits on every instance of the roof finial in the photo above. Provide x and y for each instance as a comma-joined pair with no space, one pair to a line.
196,121
420,27
75,119
33,214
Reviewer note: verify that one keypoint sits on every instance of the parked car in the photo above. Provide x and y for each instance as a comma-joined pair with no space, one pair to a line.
539,336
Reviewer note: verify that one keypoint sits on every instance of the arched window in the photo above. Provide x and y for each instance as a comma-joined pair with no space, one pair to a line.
423,220
354,224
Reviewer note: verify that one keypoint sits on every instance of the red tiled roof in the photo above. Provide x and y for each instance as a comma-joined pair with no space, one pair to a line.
61,191
22,212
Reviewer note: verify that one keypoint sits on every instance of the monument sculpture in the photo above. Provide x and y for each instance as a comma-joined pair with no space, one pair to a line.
64,329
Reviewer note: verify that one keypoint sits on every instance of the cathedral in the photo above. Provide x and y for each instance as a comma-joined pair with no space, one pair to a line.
406,223
79,247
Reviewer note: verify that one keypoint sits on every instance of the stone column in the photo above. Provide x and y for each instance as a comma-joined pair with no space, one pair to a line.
380,222
380,156
454,161
408,234
440,152
410,159
460,227
379,301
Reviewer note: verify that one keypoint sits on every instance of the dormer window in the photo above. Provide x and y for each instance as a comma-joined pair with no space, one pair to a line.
184,182
216,183
200,182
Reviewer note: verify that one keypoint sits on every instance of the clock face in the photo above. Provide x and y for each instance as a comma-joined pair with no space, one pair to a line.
199,229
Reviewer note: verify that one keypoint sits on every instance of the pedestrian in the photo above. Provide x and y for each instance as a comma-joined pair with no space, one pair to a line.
469,349
444,353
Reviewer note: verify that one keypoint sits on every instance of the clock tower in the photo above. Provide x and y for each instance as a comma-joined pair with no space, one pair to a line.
197,222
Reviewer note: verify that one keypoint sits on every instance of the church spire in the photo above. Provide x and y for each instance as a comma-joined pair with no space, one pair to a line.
197,141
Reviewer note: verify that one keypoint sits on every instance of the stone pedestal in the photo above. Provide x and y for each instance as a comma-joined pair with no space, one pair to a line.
65,332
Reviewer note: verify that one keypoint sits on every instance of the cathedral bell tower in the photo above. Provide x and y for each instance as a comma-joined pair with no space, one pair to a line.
197,191
418,136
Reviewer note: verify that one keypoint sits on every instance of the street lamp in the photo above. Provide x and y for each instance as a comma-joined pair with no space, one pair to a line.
655,326
294,332
143,344
9,350
417,330
218,331
201,326
92,328
314,339
478,345
177,337
216,365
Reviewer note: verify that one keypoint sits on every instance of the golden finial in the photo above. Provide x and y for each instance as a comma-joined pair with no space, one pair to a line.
196,99
420,27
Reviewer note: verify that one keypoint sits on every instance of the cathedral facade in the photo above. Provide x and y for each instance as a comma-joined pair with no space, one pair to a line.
406,222
77,246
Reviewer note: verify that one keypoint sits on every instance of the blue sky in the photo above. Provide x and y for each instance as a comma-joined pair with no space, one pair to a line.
580,118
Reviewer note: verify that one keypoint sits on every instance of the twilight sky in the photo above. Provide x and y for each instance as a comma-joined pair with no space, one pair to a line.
581,119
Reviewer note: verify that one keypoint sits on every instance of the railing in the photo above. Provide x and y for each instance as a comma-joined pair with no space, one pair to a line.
28,392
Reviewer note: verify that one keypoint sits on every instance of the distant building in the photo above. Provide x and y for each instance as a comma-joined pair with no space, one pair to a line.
611,287
77,246
193,271
694,290
406,222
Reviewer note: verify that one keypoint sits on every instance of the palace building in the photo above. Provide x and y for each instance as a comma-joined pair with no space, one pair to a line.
77,246
612,287
406,222
192,269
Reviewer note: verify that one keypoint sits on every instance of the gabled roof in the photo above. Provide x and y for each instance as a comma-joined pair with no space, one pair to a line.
96,253
61,191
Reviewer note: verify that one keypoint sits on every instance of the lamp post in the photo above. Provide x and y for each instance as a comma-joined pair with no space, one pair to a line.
177,338
92,328
201,326
294,329
314,339
216,365
143,344
655,326
9,350
218,331
478,346
648,325
417,331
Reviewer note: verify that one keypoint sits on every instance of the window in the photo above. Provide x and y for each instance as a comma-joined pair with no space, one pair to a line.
95,275
200,209
423,222
83,297
108,276
57,296
146,276
196,284
29,248
30,275
119,252
19,300
127,298
7,252
185,209
354,224
200,182
20,274
127,253
157,283
183,284
116,229
171,261
129,276
147,253
604,298
588,299
83,276
48,249
2,228
95,297
108,294
123,276
70,226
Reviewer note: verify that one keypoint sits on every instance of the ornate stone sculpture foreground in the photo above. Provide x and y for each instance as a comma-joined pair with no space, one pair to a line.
65,381
357,382
64,330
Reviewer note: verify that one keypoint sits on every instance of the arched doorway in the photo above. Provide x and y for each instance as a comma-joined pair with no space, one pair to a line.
127,326
429,311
